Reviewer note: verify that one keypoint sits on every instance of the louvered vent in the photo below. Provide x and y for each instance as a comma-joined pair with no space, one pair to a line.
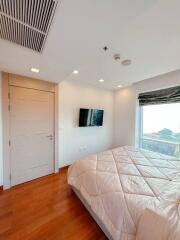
26,22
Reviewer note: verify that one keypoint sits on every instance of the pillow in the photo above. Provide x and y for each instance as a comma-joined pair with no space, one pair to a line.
162,221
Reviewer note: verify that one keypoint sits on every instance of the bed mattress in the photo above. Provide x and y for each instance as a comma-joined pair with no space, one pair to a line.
119,184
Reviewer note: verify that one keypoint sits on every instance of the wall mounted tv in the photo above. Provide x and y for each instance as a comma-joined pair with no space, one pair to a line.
90,117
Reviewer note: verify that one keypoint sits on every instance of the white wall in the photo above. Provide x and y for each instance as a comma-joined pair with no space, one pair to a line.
1,158
72,139
126,106
124,112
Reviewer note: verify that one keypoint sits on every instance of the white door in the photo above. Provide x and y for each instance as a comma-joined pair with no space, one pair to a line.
31,134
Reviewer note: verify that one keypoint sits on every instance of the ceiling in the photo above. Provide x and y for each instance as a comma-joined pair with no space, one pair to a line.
147,32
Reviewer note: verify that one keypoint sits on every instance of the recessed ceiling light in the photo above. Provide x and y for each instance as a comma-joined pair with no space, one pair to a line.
126,62
101,80
119,86
75,71
35,70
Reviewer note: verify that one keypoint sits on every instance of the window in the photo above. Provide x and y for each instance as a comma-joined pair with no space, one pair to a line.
161,128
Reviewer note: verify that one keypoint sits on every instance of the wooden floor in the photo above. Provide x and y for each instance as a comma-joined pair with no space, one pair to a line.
45,209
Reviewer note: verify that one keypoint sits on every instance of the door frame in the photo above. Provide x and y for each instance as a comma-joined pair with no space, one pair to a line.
20,81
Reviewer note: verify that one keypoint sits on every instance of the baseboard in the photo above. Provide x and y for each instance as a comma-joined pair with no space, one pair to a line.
64,168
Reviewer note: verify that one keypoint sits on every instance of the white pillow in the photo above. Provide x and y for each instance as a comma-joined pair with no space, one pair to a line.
162,222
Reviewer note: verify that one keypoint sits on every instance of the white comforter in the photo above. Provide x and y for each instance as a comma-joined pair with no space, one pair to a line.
121,183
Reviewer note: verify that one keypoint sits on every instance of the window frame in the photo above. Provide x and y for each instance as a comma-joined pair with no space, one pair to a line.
140,140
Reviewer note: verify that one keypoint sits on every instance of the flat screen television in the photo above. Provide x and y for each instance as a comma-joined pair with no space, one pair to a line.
90,117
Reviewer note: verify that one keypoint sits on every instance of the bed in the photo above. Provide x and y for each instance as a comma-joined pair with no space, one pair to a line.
118,185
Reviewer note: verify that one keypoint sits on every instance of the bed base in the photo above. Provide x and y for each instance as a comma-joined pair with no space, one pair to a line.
92,213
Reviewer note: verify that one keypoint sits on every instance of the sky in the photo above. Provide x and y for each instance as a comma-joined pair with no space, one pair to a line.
157,117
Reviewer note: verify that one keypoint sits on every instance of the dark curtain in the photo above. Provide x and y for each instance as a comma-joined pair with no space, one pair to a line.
169,95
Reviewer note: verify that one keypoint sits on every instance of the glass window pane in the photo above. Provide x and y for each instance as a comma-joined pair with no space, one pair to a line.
161,128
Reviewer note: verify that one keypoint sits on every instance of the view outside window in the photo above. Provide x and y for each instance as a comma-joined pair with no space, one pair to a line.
161,128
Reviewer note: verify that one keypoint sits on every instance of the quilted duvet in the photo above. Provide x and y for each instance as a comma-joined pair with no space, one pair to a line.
120,184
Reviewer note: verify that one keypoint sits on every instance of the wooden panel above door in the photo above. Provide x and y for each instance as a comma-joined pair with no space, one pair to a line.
26,82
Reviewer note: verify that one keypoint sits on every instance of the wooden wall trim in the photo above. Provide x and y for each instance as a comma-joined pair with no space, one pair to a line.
6,129
56,124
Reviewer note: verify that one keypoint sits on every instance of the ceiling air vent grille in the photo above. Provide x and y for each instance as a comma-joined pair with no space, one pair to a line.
26,22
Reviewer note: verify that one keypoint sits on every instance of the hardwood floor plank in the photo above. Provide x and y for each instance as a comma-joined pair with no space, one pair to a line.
45,209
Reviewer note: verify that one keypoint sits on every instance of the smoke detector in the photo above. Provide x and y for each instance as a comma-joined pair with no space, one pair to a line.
117,57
